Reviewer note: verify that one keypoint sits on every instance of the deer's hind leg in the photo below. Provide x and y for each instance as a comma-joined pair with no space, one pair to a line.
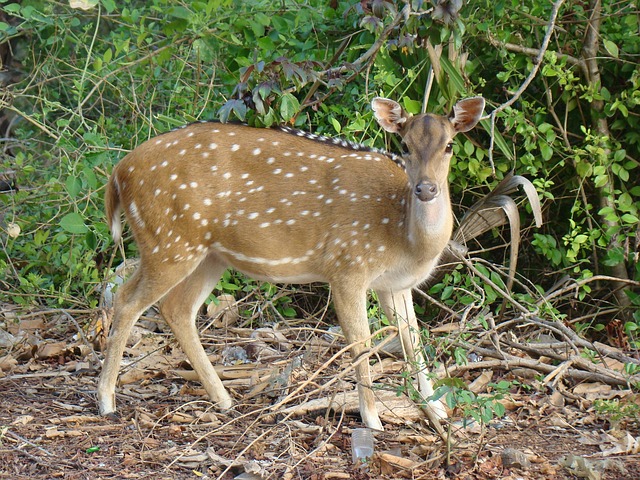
148,284
179,308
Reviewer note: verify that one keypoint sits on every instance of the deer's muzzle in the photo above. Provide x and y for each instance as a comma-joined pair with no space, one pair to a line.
427,191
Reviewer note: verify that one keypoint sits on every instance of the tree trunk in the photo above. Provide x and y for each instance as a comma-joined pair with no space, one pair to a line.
601,127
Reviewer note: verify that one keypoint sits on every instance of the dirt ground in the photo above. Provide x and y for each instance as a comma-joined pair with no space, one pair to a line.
166,428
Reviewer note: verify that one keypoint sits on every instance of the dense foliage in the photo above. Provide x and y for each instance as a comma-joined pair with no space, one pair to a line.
82,87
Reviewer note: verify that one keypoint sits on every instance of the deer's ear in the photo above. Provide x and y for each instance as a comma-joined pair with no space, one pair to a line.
389,114
466,113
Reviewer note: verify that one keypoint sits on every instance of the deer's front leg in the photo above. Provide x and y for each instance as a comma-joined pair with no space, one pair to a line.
350,305
398,307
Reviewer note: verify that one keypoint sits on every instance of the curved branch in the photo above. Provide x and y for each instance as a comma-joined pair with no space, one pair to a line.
536,63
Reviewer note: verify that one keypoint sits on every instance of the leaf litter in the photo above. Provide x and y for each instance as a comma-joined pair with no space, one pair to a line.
295,409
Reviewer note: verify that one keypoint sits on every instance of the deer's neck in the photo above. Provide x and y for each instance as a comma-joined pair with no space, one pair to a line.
430,224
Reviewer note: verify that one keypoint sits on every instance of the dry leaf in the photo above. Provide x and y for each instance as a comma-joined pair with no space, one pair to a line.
226,311
480,383
7,363
22,420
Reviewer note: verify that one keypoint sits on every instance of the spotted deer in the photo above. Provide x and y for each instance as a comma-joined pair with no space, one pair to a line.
288,207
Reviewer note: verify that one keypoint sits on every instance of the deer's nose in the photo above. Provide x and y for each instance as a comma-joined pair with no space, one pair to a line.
427,191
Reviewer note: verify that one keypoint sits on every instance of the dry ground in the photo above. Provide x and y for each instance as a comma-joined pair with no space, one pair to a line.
49,427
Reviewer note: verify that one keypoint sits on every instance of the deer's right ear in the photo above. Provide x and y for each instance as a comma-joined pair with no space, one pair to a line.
389,114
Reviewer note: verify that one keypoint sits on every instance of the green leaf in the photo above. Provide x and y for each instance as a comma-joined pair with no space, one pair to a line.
629,218
109,5
73,186
611,47
412,106
336,124
289,106
73,223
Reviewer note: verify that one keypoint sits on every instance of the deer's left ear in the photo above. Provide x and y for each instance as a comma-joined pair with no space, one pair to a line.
389,114
466,113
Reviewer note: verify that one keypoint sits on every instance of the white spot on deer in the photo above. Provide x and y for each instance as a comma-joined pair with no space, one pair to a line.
207,201
197,145
177,239
277,221
304,212
277,171
190,134
167,145
289,175
244,176
232,134
215,130
249,183
275,144
214,168
243,199
157,192
334,181
291,221
287,154
196,216
204,222
331,160
304,168
256,151
260,188
235,147
313,155
207,236
205,154
175,142
183,186
131,169
270,160
253,215
213,146
227,176
313,181
382,248
265,224
193,184
328,201
173,197
182,152
270,210
342,191
186,206
366,226
175,217
173,176
141,182
320,197
385,221
158,142
316,214
260,139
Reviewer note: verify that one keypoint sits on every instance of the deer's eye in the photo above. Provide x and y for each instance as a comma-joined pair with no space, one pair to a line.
449,147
